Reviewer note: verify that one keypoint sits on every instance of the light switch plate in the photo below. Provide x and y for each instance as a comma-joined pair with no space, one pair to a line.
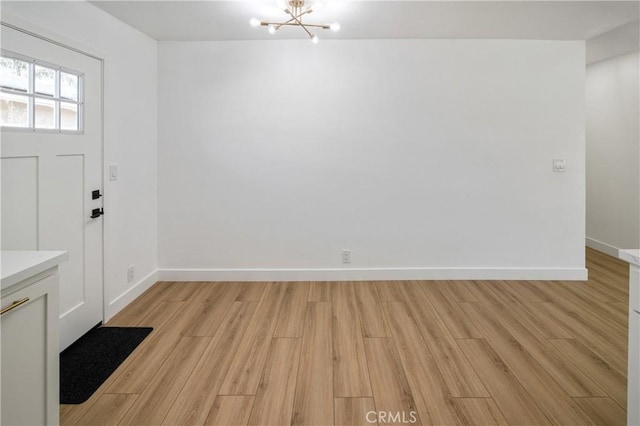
113,172
559,165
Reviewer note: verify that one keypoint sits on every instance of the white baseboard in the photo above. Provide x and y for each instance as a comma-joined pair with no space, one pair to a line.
378,274
602,247
129,296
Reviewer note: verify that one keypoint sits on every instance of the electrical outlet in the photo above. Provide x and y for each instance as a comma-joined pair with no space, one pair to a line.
131,273
559,165
346,256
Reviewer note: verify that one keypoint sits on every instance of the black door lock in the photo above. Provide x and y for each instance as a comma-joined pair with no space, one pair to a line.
95,194
96,213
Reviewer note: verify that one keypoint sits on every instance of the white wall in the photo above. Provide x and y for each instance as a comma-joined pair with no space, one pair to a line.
130,133
426,158
613,154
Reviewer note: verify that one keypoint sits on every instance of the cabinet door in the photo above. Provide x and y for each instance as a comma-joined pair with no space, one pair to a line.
634,288
29,363
633,373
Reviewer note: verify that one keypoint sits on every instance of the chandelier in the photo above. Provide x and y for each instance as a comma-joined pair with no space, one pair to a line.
295,10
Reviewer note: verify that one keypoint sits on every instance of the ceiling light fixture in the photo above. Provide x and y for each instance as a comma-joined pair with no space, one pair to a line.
295,10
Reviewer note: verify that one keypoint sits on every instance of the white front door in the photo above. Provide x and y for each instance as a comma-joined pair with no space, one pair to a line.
51,162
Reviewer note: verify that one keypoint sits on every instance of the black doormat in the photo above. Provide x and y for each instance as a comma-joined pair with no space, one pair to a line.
90,360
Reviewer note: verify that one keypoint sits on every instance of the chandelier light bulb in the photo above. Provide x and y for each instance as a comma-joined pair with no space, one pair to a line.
335,26
272,29
315,39
254,22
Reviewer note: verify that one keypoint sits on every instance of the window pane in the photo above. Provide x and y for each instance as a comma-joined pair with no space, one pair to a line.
68,116
14,74
14,110
68,86
45,114
45,81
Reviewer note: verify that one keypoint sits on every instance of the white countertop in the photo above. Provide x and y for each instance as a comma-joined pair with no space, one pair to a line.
630,255
20,265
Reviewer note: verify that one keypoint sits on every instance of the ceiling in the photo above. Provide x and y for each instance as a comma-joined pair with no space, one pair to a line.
229,20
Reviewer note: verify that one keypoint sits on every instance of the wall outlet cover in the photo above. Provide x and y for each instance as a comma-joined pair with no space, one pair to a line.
559,165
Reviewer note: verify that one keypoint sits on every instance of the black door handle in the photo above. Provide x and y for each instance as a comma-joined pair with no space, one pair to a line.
96,213
95,194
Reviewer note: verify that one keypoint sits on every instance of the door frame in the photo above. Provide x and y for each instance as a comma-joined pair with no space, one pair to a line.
16,24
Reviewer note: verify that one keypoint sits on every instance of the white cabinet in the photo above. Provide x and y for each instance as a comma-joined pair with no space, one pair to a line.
633,372
29,342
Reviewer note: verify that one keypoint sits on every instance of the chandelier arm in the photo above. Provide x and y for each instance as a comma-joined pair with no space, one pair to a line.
295,24
284,23
292,19
300,23
323,26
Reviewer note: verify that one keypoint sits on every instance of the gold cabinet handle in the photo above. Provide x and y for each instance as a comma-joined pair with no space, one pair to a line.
14,305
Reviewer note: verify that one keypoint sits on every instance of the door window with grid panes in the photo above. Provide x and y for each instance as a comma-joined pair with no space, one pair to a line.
38,96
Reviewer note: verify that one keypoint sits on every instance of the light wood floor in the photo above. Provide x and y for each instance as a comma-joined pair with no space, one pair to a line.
442,352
